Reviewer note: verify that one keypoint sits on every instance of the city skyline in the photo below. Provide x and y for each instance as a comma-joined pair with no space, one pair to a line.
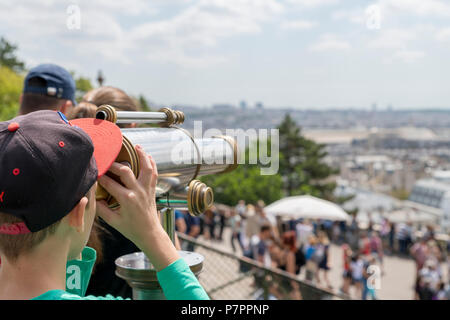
298,54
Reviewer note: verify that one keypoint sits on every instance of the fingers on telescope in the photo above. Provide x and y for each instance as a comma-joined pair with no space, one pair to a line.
114,188
148,173
125,173
106,213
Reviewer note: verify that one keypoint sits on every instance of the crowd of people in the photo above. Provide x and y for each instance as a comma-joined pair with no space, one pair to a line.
302,248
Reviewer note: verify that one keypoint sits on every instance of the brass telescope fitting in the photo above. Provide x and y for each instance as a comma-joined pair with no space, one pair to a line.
200,197
164,116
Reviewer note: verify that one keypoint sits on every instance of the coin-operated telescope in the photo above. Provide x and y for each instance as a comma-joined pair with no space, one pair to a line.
180,159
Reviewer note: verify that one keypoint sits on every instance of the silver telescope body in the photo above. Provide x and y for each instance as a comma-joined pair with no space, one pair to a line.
179,157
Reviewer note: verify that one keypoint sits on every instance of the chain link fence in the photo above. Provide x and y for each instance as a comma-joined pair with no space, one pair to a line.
227,276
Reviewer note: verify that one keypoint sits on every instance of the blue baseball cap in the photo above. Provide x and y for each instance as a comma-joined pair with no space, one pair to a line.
57,82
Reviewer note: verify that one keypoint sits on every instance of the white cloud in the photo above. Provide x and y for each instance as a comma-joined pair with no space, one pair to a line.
313,3
408,56
417,7
329,42
392,38
201,26
443,35
298,25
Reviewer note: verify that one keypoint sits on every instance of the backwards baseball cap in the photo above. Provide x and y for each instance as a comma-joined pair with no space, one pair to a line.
47,164
55,81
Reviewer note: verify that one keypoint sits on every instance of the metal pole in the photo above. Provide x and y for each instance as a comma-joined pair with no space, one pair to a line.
168,222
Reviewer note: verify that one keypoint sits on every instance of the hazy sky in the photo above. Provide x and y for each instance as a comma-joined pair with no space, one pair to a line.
296,53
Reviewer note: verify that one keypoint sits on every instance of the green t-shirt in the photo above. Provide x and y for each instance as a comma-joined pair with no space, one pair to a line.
177,281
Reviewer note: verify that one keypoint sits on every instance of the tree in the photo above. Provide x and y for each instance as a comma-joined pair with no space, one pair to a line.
11,85
301,163
8,57
245,183
82,86
143,103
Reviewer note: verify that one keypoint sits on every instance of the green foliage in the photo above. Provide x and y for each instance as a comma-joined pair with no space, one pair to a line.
247,183
82,85
8,57
301,163
143,103
11,85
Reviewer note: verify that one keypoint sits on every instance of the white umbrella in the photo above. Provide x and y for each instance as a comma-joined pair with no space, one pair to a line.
307,207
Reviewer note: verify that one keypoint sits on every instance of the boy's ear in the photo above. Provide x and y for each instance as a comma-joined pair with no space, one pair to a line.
76,216
66,106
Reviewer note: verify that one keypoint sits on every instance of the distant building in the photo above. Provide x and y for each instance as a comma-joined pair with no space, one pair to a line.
259,105
223,107
436,194
243,105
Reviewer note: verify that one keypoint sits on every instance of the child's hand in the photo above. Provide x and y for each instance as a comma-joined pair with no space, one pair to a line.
137,219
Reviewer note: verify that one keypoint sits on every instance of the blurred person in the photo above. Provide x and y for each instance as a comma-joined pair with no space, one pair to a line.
304,230
404,237
260,244
234,221
47,87
431,275
115,97
323,255
241,210
259,251
352,233
336,232
252,222
283,256
347,275
368,285
419,251
222,217
264,219
210,224
192,229
311,265
391,237
376,248
429,233
423,290
357,268
364,244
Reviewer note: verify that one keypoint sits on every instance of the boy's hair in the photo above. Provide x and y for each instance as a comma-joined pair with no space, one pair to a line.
34,102
12,246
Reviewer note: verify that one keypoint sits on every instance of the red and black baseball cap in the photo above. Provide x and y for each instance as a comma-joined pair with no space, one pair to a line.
47,164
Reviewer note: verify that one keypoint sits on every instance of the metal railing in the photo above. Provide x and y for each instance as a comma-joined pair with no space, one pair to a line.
227,276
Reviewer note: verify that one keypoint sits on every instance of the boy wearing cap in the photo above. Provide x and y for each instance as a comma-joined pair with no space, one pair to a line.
47,87
49,169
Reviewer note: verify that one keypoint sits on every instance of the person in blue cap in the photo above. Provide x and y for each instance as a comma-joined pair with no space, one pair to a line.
47,87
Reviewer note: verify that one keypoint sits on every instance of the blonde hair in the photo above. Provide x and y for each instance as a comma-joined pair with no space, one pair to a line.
112,96
82,110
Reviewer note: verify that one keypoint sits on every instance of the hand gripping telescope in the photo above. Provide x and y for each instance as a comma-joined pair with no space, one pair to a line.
180,159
